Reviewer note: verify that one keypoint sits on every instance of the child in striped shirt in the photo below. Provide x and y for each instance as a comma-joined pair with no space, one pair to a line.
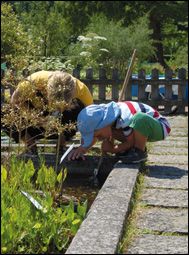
133,124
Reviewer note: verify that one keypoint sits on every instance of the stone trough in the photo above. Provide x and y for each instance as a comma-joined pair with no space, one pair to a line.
102,229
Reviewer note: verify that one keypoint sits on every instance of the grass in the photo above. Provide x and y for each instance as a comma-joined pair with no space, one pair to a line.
161,233
130,229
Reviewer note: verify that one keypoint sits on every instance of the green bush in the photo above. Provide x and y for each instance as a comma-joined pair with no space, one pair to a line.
110,43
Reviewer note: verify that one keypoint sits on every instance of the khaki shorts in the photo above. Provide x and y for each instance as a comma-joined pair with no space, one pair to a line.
148,126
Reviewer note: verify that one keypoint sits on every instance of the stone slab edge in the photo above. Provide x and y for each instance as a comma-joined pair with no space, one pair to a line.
102,228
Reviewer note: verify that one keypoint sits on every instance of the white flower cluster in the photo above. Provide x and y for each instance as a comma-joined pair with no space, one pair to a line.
100,38
83,38
85,54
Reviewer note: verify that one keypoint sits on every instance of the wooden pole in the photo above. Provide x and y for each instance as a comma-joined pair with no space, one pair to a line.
127,77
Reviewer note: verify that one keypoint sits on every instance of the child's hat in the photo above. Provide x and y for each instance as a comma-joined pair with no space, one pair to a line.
94,117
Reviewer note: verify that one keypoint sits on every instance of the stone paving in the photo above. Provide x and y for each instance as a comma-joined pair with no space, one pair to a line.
163,218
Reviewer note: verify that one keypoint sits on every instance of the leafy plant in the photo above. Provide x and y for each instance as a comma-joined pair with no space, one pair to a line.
27,229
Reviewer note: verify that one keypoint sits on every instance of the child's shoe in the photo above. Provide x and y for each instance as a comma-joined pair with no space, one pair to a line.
134,155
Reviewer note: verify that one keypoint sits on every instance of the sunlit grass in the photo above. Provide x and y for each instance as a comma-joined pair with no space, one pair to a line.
130,228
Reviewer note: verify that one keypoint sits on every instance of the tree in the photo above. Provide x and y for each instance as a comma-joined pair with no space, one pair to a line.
161,13
44,22
53,25
15,43
112,44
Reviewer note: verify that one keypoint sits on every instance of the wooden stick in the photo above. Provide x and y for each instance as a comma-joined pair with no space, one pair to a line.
128,74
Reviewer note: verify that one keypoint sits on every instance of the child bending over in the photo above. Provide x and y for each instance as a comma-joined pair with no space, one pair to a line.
132,123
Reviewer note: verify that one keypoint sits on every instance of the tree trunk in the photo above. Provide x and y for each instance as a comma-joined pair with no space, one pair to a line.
155,25
45,45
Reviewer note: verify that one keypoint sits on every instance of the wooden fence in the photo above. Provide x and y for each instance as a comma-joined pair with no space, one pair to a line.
105,89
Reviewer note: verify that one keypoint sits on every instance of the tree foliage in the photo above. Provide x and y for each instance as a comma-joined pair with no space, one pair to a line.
161,15
54,26
15,43
47,27
112,45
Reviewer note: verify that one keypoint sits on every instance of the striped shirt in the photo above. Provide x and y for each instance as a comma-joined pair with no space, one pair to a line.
130,108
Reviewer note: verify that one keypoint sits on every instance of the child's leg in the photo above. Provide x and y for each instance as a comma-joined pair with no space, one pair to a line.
139,140
135,151
145,128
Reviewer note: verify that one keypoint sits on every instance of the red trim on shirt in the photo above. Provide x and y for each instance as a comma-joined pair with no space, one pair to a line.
131,107
168,129
156,114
